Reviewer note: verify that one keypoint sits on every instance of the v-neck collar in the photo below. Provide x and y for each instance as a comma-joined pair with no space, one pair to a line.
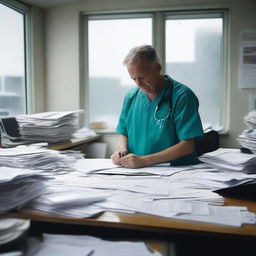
159,96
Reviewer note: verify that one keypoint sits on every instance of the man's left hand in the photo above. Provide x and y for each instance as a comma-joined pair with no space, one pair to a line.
132,161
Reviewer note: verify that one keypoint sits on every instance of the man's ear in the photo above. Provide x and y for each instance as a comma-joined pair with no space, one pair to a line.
158,67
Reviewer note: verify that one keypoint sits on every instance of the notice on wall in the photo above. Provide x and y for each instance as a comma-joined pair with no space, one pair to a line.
247,72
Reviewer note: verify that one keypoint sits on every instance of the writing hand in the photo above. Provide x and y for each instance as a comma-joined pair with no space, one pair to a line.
132,161
115,157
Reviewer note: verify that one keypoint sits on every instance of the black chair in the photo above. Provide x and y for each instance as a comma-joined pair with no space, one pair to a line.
207,143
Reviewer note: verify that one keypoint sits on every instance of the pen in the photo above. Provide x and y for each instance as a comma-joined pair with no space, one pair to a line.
123,153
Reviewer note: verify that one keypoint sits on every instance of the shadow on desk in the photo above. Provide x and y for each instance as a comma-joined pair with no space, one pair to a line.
173,244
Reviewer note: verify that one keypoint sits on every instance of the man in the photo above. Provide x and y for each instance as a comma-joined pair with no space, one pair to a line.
159,120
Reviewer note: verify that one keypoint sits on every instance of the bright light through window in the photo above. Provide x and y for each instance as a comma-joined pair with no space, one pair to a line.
109,42
193,57
12,62
181,47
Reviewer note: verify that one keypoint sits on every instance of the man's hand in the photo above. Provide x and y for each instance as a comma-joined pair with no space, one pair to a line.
116,156
132,161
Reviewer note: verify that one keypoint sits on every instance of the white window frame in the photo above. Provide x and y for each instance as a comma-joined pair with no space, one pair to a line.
26,12
158,39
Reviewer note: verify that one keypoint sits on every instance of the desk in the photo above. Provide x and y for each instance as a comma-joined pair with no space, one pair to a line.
73,143
152,224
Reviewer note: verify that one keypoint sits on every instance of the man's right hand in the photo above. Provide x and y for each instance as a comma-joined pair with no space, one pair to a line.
116,157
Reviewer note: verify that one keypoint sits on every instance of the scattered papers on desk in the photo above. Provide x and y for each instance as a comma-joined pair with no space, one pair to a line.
12,228
173,192
88,187
232,159
87,245
48,126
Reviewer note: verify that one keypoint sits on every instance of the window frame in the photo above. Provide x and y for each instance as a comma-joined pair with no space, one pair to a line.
26,12
158,20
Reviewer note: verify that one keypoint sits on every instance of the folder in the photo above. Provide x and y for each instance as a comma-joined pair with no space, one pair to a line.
245,190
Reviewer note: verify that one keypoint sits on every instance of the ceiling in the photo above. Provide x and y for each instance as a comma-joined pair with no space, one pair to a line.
47,3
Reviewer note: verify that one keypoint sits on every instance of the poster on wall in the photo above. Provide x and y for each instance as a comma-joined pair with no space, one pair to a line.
247,69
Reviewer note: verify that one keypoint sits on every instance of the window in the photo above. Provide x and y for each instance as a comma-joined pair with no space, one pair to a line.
191,43
109,40
193,50
12,61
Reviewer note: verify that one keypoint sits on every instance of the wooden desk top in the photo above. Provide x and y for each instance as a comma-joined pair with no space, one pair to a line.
72,143
142,222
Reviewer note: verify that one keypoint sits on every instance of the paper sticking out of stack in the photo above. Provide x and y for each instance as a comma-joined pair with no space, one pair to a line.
38,158
232,159
49,127
250,119
19,186
248,137
11,229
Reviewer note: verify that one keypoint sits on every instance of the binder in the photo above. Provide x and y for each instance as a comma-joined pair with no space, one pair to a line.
245,190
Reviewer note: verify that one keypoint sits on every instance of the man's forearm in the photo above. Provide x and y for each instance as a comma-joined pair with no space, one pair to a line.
182,148
122,143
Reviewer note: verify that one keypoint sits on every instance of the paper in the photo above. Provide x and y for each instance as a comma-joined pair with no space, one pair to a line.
74,244
247,72
49,127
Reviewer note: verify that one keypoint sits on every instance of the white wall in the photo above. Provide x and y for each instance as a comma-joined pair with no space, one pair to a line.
37,99
63,58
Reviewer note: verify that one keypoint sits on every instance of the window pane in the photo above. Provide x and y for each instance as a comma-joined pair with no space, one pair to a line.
109,42
193,57
12,64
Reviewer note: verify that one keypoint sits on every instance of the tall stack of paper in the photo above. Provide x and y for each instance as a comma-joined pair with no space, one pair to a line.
48,126
232,159
248,137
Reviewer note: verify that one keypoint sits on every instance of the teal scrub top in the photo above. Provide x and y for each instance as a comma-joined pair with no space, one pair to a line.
145,135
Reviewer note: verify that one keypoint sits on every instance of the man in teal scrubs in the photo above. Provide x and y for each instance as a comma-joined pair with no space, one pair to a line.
159,120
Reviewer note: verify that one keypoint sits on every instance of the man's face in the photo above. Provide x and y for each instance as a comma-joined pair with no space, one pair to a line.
146,75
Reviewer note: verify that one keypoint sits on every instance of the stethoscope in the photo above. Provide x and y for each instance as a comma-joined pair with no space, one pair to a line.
160,121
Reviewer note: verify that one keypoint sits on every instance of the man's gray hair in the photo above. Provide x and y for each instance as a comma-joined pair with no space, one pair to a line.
141,52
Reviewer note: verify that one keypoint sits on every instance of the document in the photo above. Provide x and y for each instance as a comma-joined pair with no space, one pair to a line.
88,245
49,127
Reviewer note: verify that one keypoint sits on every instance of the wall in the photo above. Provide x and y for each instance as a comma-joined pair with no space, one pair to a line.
63,58
37,101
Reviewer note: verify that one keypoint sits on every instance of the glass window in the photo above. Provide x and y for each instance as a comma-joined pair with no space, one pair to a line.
190,43
12,62
109,40
193,50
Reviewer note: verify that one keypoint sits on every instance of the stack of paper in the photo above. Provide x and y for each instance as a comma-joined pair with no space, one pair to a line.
11,229
59,200
48,126
87,245
248,137
38,158
233,159
250,119
19,186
